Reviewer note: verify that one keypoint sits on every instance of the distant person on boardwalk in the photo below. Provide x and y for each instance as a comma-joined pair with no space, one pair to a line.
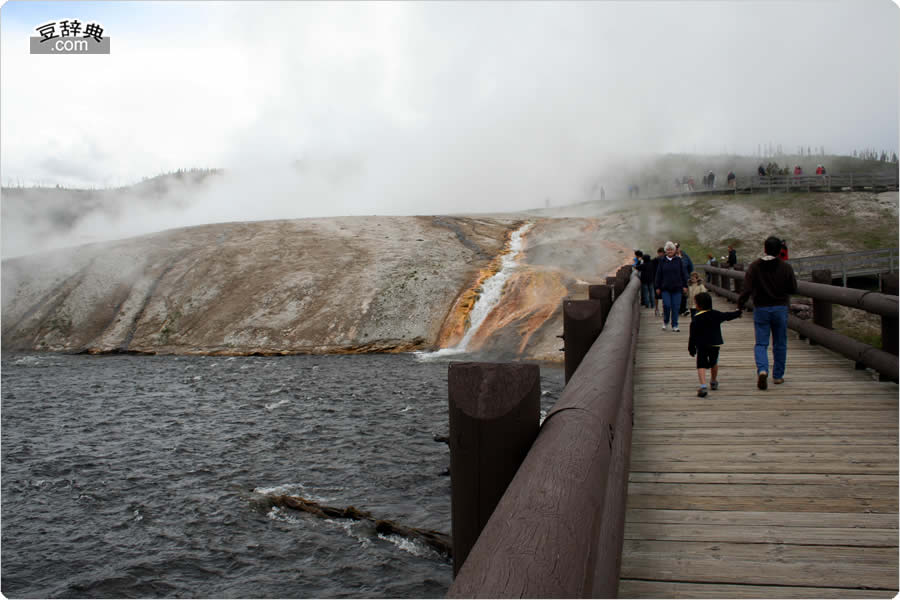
798,171
731,178
732,257
706,181
602,194
648,296
671,285
637,258
706,339
761,171
654,265
688,268
783,252
711,261
711,180
769,282
695,286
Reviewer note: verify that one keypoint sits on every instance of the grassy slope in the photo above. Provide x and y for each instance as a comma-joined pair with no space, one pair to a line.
812,223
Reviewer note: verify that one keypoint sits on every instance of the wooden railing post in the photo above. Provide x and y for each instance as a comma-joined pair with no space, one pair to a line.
582,323
889,325
822,312
611,282
619,281
603,294
738,281
495,411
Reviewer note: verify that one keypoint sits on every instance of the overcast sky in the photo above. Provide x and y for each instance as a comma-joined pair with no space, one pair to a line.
414,101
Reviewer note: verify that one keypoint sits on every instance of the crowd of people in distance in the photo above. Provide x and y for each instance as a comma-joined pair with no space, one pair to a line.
686,183
772,169
769,281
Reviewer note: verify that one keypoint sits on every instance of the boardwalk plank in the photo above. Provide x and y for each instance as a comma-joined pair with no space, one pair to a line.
757,503
870,490
760,534
633,588
768,478
761,564
757,518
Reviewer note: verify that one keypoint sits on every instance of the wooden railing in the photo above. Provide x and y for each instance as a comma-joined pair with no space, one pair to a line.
557,531
851,264
883,360
787,183
810,183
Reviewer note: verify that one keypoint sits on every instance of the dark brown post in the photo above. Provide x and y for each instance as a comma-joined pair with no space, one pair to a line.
621,282
889,324
738,281
611,282
582,323
821,308
495,413
603,294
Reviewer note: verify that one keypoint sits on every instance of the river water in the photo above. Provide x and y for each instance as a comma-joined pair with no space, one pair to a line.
146,476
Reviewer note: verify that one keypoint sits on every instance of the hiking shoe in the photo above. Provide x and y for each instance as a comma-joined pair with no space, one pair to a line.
778,380
701,392
664,327
761,381
675,329
713,385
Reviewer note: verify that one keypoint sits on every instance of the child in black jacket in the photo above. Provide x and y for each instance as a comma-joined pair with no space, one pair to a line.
705,339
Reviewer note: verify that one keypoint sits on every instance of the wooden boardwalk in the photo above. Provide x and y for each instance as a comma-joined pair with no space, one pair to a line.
784,493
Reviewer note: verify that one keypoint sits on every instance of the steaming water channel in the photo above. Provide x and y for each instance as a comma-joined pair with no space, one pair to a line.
491,292
147,476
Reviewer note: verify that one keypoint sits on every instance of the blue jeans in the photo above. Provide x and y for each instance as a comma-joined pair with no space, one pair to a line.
671,304
648,294
770,319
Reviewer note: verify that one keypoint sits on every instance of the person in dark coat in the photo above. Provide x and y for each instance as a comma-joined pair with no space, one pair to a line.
732,257
706,339
654,265
671,284
646,271
770,282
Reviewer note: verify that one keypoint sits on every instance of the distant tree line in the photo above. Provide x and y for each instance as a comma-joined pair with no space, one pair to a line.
770,149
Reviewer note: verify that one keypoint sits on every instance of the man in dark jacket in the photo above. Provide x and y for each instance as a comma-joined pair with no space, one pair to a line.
732,257
671,285
769,282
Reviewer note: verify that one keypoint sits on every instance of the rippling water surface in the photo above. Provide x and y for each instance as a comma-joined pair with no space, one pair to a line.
136,476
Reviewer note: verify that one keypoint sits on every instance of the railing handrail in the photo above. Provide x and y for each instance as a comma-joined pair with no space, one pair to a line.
872,302
880,251
550,535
